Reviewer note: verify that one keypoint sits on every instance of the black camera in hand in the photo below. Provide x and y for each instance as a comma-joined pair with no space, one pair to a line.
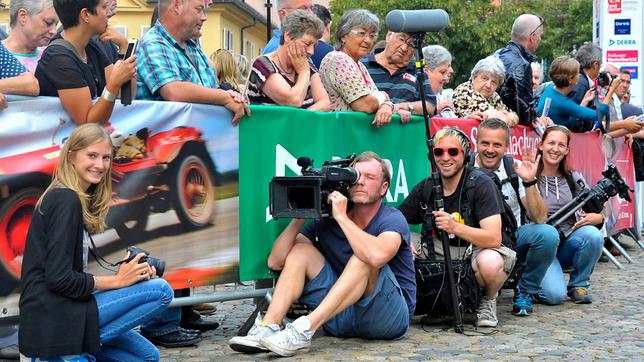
592,200
157,263
306,196
604,79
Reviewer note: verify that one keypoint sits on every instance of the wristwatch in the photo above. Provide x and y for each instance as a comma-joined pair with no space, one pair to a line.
108,96
410,107
530,183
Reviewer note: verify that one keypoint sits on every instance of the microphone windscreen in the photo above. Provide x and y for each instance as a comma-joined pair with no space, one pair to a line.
417,21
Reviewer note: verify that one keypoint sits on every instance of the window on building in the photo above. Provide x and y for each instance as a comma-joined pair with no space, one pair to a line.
228,39
121,29
252,51
144,29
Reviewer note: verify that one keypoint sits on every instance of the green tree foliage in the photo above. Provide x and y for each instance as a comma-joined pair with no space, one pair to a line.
478,28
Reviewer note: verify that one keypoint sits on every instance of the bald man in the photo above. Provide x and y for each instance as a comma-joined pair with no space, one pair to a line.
516,90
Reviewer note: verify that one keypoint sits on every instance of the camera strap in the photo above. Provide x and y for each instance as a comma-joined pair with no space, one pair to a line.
93,250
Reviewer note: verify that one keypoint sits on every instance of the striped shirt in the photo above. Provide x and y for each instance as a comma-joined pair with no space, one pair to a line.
161,60
401,86
263,67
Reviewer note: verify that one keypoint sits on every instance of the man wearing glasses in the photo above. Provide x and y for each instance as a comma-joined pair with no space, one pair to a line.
516,90
491,261
285,7
393,72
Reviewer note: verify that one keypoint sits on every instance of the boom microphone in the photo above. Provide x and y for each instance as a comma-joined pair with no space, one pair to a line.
417,21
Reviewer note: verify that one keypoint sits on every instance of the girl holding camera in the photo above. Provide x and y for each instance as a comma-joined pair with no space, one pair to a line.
66,313
582,246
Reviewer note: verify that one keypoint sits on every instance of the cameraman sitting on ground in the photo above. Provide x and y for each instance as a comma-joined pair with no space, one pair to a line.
491,261
355,269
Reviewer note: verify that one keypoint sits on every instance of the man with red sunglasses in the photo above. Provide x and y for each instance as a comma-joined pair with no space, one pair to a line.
480,226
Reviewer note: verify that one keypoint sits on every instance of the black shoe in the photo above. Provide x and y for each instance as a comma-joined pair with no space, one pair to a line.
175,339
190,331
199,324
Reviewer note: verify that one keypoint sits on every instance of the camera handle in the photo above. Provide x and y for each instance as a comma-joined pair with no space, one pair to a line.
438,187
570,208
597,105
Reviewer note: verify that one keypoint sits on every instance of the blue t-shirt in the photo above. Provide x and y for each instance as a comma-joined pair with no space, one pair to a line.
321,50
336,249
9,66
564,111
273,43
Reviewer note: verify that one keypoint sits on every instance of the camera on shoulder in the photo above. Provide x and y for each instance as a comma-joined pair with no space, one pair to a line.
306,196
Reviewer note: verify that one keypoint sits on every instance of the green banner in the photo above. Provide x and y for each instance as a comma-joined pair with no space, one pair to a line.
271,140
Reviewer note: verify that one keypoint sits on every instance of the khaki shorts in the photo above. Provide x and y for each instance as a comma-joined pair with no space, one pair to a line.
509,255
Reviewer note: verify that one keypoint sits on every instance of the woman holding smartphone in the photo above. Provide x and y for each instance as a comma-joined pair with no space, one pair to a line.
66,313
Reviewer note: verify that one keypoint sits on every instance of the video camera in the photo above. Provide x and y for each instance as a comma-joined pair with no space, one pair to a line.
306,196
604,79
593,200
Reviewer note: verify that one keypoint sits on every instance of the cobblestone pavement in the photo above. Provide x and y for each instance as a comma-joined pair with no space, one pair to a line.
610,328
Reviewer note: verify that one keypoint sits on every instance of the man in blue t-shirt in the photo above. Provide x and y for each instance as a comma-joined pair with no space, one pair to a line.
355,271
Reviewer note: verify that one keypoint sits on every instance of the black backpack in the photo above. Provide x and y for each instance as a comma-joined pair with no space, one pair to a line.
513,179
508,221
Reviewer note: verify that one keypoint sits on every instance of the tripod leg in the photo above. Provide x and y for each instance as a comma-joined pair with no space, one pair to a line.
261,304
612,258
634,237
620,248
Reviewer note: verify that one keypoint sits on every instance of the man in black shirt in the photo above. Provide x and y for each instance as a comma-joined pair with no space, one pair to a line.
491,261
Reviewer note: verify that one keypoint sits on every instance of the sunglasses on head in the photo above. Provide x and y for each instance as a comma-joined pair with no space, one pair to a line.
452,151
541,21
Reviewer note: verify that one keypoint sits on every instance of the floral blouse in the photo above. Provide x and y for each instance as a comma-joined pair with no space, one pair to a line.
467,101
345,80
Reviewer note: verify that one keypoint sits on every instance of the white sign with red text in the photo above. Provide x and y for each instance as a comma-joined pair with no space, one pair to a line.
620,33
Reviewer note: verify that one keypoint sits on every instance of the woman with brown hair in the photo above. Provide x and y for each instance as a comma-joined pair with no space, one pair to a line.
581,239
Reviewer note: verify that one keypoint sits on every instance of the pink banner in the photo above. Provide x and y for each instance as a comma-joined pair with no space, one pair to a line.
589,156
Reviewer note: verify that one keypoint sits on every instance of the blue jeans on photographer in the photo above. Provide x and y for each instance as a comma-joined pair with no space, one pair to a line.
536,248
120,310
167,321
580,251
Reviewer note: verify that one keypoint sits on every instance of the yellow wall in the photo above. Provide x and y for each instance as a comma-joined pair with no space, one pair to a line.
137,13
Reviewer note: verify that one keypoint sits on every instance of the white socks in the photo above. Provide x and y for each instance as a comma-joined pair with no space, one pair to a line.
303,325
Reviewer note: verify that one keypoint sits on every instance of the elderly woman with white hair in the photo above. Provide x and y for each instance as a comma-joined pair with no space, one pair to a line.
345,78
477,98
438,67
33,24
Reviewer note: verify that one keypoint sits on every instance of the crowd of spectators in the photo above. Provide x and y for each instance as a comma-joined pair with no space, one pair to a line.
83,64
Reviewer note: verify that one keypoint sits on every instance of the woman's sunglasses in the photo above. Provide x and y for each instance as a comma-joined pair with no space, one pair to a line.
452,151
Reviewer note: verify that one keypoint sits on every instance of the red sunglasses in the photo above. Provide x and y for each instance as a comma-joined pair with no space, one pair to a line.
452,151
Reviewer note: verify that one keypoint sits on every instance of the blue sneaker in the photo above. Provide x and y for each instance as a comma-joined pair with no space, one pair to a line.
522,304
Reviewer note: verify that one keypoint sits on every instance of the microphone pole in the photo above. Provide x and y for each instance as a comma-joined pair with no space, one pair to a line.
438,187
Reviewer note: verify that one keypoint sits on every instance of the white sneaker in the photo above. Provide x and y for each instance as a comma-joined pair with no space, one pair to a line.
288,341
250,342
487,313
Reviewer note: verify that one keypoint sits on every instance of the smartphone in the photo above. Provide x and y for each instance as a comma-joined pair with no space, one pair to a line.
640,118
131,48
126,89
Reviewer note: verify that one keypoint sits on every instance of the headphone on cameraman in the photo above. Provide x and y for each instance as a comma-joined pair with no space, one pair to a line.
467,150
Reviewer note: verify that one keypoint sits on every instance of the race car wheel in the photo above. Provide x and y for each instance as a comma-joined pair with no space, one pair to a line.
193,192
15,218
